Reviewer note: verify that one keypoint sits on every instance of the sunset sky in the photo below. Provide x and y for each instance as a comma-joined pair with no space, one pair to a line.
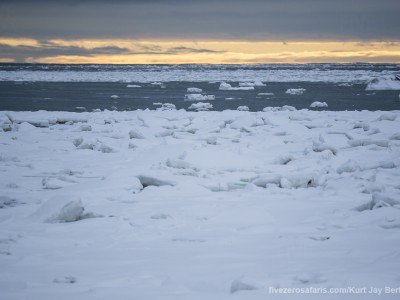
199,31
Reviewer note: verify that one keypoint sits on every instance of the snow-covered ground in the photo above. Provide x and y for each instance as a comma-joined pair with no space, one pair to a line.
199,205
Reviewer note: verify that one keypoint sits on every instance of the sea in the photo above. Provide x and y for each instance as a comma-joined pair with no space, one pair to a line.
53,87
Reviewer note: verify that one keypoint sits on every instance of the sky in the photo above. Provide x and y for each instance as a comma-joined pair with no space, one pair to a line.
199,31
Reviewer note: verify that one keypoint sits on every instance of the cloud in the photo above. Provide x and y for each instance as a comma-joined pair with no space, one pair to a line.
181,49
22,49
21,52
197,20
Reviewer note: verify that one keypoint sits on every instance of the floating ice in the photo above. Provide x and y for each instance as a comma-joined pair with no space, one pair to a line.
227,87
167,106
201,106
133,86
199,97
295,91
194,90
318,104
114,97
80,108
243,108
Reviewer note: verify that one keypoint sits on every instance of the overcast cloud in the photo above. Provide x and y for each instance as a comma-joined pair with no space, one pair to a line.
202,19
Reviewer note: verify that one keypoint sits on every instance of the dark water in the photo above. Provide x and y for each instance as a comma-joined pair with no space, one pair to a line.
63,94
67,96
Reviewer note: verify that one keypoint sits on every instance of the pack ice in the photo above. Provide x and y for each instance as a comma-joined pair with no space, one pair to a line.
170,204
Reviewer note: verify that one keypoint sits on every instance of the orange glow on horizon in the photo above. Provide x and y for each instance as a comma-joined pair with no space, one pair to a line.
120,51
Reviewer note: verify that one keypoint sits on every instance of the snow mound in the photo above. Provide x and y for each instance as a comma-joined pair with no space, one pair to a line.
61,210
238,285
320,147
65,279
378,201
318,104
383,83
194,90
295,91
243,108
146,181
387,117
135,134
5,123
244,122
349,166
367,142
85,127
90,144
6,201
298,181
284,160
201,106
227,87
199,97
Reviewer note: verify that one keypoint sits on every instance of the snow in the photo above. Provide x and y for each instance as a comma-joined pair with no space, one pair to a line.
299,91
199,97
318,104
227,87
175,204
194,90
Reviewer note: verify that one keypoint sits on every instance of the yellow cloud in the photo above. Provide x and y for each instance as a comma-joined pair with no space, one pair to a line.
17,42
225,51
6,60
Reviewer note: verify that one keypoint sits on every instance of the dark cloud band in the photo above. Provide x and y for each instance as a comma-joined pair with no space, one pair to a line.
206,19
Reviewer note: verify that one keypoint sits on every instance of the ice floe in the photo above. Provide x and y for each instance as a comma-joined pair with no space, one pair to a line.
199,97
243,108
318,104
299,91
194,90
201,106
198,204
227,87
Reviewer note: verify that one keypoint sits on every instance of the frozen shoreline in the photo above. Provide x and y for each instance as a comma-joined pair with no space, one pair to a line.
197,205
